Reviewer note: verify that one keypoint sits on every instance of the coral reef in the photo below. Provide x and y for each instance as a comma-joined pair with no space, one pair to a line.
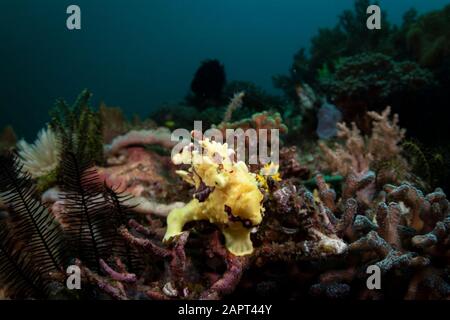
103,193
428,38
416,49
389,243
136,232
370,81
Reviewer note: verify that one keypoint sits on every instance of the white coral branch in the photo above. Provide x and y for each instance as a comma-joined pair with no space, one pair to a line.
235,103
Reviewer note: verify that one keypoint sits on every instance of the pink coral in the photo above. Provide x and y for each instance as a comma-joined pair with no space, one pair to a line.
159,136
359,154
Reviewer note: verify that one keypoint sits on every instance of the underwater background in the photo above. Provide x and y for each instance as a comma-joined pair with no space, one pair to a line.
139,54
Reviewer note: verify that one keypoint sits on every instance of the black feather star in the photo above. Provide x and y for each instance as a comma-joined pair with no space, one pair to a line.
19,275
91,230
120,215
31,240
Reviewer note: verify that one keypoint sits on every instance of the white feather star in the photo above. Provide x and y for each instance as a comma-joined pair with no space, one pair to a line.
43,156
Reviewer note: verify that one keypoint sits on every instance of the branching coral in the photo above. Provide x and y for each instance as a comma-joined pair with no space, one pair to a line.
177,283
424,211
381,151
255,100
235,103
290,165
391,244
308,230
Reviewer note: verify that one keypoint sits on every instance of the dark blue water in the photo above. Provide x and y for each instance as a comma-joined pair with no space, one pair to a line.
138,54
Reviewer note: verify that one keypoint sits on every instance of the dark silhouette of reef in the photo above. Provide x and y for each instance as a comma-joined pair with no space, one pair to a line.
370,81
208,84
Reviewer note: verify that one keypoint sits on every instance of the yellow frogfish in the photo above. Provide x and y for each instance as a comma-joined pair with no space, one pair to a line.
227,195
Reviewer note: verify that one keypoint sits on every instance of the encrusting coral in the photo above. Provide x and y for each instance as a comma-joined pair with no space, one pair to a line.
146,175
226,194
